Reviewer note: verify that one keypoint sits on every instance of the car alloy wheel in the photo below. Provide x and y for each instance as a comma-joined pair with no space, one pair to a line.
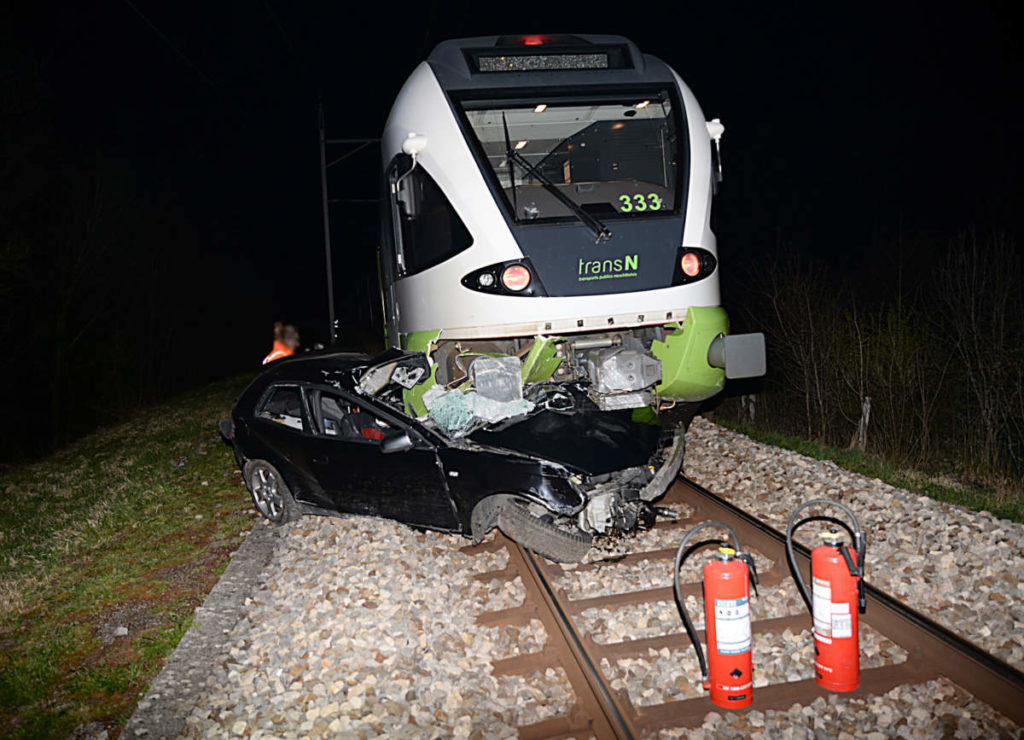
266,492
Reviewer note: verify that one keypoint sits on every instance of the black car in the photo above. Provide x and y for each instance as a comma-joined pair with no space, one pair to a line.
333,433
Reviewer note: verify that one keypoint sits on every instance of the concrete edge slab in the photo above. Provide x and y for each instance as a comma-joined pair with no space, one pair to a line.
173,693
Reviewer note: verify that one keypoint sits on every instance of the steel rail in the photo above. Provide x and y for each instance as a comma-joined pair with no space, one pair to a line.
591,715
616,715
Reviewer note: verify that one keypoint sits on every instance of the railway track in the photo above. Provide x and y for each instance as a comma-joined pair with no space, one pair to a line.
605,709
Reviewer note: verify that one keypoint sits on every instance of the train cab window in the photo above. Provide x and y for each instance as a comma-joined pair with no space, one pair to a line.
340,419
615,155
284,405
427,229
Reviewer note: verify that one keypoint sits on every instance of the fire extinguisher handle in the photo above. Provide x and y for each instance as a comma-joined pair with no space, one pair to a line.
857,571
850,565
747,558
860,542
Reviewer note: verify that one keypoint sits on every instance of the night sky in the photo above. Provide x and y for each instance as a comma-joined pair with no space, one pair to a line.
844,125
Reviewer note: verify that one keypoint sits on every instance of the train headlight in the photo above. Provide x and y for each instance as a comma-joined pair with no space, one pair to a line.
511,278
690,264
516,278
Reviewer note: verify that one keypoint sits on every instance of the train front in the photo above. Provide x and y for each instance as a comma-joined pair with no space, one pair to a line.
549,200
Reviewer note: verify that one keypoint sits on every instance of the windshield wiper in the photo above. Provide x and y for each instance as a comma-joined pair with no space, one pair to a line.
600,230
511,168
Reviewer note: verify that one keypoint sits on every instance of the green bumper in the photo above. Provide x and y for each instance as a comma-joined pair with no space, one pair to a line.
685,372
419,342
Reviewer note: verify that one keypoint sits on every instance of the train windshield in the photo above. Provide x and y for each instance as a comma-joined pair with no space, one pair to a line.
613,157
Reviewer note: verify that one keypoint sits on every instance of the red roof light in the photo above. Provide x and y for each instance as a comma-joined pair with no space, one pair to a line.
533,40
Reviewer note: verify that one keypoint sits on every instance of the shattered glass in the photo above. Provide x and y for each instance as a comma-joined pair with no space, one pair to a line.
457,413
451,411
493,411
498,378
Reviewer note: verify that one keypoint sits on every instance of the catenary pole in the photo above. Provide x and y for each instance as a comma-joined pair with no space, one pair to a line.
327,219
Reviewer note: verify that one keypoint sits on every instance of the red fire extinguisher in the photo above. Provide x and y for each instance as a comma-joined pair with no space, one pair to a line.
836,596
728,671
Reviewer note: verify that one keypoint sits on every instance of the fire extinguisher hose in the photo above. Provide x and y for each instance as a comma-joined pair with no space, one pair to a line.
681,555
856,534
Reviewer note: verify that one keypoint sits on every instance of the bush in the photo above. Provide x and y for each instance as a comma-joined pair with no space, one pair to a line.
938,360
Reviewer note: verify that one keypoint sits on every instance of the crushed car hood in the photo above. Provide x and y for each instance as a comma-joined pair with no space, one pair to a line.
586,440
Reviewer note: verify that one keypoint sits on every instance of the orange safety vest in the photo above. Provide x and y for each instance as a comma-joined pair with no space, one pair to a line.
279,352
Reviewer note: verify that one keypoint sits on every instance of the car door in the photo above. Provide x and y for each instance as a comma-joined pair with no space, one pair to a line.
283,430
361,478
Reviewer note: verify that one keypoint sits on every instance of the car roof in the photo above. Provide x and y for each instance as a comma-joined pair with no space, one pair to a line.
311,367
341,370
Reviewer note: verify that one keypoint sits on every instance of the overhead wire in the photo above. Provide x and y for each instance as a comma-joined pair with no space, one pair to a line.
173,47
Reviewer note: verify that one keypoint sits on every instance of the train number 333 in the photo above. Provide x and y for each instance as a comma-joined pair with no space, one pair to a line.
639,202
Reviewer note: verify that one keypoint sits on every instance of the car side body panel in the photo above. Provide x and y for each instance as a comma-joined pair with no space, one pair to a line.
287,450
475,474
408,486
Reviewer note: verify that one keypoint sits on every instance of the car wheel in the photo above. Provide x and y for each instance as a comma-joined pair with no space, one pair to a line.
670,469
270,493
544,538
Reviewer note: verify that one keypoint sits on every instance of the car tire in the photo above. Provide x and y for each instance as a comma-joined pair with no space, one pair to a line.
670,470
542,537
270,493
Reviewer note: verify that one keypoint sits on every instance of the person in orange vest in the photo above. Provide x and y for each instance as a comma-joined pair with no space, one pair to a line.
286,341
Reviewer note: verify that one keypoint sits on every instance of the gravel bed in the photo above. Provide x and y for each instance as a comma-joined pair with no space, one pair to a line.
655,618
360,627
670,675
962,568
612,578
510,640
503,594
931,710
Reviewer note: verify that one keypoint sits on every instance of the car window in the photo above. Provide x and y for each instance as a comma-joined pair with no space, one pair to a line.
340,418
284,406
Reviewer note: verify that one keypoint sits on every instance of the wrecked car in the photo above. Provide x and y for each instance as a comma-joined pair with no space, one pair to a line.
335,433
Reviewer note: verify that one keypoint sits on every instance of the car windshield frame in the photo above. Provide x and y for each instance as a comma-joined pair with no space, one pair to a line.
668,195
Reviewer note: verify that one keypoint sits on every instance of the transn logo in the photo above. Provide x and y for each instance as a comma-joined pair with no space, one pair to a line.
620,267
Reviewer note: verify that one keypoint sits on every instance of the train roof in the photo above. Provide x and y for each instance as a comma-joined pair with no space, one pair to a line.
484,62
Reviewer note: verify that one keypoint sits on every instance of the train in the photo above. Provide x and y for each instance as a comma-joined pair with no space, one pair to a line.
548,198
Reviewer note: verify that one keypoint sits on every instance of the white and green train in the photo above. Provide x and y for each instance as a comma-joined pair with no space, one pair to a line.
549,199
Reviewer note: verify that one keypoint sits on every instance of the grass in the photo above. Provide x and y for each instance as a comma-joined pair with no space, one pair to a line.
129,527
1002,502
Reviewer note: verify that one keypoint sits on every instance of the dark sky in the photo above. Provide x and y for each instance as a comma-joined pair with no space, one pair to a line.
844,122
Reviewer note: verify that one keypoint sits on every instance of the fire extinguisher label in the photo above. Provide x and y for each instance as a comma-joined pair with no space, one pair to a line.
842,622
821,607
732,625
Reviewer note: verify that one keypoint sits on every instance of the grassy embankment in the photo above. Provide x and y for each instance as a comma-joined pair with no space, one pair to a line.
1005,501
129,527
